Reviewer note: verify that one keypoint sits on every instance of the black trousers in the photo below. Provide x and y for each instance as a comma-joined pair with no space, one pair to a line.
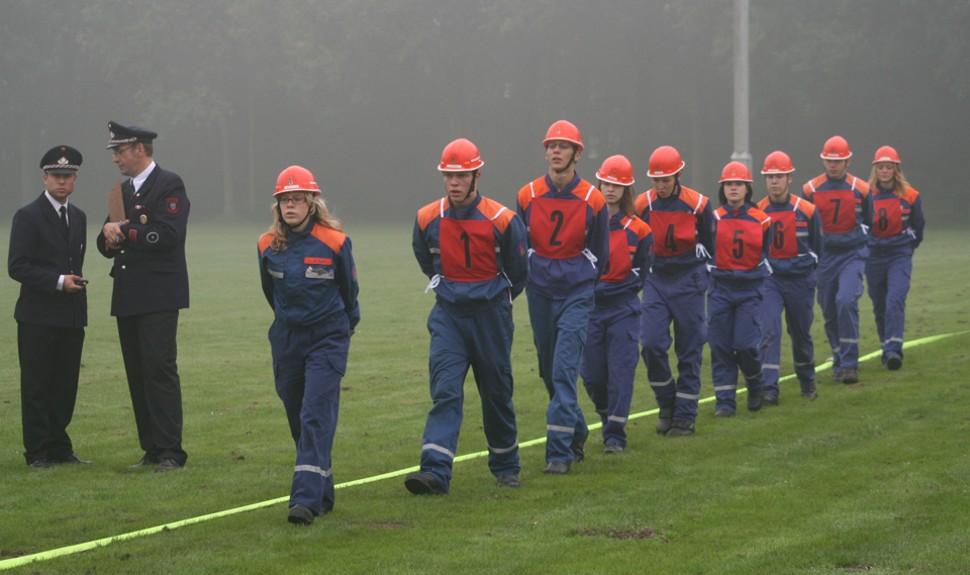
50,363
148,346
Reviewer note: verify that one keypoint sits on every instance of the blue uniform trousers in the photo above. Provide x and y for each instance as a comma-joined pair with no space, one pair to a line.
734,328
795,296
480,337
559,331
308,364
610,363
839,290
888,278
680,300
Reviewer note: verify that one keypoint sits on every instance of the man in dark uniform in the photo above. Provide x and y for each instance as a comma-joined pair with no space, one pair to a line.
151,285
47,242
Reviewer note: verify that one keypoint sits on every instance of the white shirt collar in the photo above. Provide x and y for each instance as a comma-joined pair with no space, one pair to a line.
54,203
138,180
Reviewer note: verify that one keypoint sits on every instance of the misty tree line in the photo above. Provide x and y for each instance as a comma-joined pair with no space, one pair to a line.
366,93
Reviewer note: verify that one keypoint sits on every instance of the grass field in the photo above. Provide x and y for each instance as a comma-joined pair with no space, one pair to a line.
871,477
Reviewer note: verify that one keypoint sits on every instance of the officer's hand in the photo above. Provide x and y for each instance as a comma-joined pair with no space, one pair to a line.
74,284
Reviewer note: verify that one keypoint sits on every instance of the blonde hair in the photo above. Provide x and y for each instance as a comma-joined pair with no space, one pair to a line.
899,179
317,211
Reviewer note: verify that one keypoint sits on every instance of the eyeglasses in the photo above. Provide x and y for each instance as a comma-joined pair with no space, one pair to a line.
295,200
120,150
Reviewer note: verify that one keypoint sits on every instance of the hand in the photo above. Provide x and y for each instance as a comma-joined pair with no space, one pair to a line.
113,237
74,284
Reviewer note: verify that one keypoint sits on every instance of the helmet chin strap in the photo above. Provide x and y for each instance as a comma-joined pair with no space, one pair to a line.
471,187
294,226
572,160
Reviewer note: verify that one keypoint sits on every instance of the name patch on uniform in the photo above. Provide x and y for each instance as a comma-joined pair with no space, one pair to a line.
317,261
172,205
321,273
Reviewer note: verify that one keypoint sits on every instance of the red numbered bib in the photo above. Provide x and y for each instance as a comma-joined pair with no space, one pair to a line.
784,242
674,233
738,245
887,218
557,227
837,210
468,250
621,258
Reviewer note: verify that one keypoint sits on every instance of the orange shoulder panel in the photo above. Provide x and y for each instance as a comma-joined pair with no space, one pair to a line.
265,241
525,194
428,213
860,184
696,200
804,206
640,203
596,199
496,212
910,195
640,228
333,238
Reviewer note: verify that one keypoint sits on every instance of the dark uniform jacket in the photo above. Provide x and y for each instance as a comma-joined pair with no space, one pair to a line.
149,270
40,252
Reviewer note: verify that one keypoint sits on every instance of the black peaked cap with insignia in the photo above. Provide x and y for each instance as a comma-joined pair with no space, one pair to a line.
61,160
122,134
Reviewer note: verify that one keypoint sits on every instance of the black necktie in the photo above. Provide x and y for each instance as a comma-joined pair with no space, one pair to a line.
64,217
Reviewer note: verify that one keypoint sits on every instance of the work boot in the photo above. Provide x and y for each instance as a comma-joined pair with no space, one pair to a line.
681,429
507,481
894,361
837,375
723,412
850,375
423,484
557,468
756,399
300,515
579,449
612,447
771,399
808,389
665,420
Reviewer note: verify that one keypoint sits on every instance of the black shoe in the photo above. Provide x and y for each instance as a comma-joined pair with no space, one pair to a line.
39,464
771,399
837,375
756,399
507,481
665,420
894,361
681,429
808,390
423,484
73,459
167,465
612,447
579,449
145,461
300,515
557,468
723,412
850,375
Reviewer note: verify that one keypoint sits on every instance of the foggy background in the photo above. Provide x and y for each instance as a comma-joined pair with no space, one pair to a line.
365,93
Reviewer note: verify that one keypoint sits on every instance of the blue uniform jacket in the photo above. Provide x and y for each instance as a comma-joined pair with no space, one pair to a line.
741,240
845,208
497,267
311,280
631,253
681,224
796,236
583,243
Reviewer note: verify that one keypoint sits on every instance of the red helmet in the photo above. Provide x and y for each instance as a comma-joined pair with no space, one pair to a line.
886,154
735,172
777,162
461,155
616,170
564,130
296,179
665,161
836,148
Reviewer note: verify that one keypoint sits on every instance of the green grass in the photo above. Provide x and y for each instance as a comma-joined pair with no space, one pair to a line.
869,477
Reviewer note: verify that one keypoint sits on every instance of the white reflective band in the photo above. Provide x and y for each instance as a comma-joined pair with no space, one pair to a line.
435,280
499,212
802,364
561,429
532,189
438,448
504,449
690,396
312,469
589,192
725,387
617,419
842,340
893,340
441,207
661,383
771,366
750,377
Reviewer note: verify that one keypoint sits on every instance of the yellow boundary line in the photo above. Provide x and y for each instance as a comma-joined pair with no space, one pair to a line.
72,549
